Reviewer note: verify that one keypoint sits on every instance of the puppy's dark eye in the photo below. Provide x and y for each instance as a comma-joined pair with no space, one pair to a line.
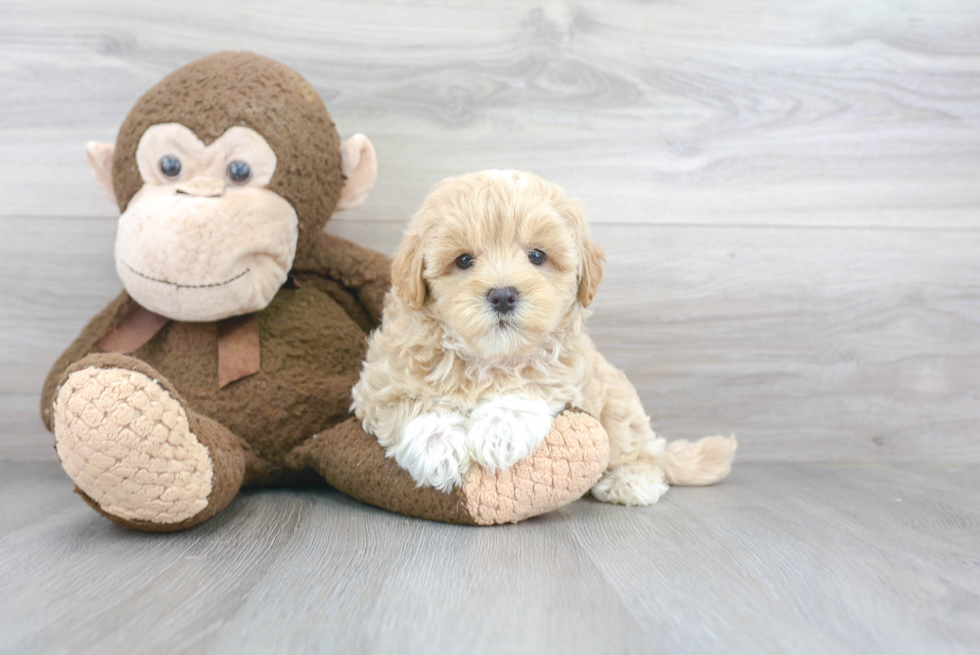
537,257
239,172
464,260
170,166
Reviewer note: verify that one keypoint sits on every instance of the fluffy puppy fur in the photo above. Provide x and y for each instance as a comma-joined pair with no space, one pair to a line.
452,380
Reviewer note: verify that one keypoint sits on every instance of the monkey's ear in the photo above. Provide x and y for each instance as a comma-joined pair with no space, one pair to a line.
406,272
360,166
592,258
99,157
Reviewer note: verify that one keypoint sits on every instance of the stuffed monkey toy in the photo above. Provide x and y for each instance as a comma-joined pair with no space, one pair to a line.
229,358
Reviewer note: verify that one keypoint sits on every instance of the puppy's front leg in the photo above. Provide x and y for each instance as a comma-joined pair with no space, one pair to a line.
506,430
432,448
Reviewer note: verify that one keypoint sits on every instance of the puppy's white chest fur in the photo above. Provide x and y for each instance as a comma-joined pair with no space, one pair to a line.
437,410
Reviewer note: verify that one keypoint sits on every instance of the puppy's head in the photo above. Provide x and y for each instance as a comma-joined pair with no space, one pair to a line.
500,258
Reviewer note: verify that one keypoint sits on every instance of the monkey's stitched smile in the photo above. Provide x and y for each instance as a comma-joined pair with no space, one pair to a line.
186,286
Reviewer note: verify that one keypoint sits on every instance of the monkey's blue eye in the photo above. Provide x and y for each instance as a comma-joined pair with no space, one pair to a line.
537,257
239,172
170,166
464,261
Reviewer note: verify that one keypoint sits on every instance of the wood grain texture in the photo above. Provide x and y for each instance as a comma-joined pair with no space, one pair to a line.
765,111
787,190
861,348
780,558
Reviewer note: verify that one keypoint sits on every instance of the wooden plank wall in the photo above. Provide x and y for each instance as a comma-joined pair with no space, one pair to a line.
789,192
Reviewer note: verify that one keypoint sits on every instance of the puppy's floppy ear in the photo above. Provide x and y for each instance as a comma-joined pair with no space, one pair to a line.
592,255
592,259
406,272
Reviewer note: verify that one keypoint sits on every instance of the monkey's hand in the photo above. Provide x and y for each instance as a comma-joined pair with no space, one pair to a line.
363,271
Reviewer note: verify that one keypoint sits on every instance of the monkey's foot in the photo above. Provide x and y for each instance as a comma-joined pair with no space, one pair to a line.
126,443
562,469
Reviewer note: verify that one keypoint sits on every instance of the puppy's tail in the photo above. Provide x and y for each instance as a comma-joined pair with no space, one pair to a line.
698,463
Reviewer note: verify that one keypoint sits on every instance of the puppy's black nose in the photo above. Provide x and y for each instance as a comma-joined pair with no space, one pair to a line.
503,300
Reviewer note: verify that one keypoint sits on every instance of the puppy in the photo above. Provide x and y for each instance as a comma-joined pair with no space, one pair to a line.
482,343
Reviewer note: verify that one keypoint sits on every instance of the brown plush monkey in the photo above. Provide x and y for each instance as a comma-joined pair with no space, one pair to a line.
229,358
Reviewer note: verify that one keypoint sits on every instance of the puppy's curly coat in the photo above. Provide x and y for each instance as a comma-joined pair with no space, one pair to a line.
482,342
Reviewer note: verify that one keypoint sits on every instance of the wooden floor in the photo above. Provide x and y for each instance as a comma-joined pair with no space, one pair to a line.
781,558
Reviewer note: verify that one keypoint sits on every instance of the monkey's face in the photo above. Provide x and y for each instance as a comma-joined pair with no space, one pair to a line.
203,239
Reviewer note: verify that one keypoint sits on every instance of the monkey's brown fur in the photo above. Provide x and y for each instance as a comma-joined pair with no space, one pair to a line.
261,428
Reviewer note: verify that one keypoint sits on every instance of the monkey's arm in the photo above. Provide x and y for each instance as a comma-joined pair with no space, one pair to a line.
114,312
362,271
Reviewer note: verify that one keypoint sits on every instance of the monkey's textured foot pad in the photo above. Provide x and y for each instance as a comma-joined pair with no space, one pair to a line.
126,443
563,468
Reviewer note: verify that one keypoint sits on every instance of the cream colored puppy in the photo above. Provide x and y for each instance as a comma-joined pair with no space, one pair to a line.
482,343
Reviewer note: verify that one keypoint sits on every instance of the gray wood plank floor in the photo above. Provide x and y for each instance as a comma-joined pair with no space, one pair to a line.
780,558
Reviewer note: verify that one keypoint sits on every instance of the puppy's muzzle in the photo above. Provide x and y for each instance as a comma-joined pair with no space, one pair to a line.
503,300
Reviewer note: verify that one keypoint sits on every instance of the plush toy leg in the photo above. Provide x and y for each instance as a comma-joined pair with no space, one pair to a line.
136,453
566,465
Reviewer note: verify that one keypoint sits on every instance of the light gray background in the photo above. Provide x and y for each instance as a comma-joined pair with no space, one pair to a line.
788,191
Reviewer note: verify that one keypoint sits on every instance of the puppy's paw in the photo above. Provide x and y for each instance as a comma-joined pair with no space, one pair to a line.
634,483
433,450
506,430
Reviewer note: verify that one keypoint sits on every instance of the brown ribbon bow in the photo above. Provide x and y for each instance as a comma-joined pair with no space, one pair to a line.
239,353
